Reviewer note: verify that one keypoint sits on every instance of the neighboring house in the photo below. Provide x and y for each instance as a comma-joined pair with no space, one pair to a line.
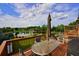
71,32
22,35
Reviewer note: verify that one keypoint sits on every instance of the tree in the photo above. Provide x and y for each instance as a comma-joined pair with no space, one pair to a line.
59,28
4,36
1,37
43,28
74,23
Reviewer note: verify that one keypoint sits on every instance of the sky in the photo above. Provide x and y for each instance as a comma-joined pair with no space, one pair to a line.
36,14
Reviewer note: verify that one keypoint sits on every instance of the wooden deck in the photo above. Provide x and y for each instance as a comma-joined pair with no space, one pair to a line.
61,50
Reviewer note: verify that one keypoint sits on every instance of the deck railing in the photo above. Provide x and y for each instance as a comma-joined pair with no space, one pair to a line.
9,47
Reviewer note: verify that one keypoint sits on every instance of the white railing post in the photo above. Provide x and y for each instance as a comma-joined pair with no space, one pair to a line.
9,48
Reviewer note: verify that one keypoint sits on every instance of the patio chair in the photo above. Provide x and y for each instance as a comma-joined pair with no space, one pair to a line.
53,37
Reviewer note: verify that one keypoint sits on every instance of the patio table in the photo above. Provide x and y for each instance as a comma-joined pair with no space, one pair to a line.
45,47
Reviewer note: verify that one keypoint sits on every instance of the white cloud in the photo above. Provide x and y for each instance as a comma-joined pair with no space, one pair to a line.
28,13
35,16
66,17
10,21
63,7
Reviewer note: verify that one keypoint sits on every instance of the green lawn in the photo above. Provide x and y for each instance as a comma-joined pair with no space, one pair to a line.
24,44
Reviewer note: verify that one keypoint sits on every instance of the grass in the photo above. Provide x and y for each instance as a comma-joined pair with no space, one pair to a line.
24,44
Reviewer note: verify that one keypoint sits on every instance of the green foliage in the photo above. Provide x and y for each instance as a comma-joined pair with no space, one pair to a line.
7,36
37,29
59,28
74,23
1,37
43,29
7,29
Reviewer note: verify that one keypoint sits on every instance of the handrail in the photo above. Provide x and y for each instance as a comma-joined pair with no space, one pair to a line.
3,52
2,47
16,39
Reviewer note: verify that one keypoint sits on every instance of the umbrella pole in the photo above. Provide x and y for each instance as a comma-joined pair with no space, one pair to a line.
48,27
